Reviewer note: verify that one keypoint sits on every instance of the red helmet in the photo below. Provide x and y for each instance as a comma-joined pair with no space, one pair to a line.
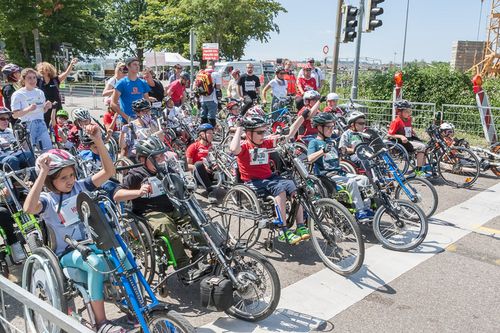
231,105
59,159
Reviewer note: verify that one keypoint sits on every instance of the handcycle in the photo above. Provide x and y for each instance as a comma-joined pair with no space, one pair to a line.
125,285
335,235
489,158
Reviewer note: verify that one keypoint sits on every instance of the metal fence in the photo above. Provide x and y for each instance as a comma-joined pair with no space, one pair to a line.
466,118
24,298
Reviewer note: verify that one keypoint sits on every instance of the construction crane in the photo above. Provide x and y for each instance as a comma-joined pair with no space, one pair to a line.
490,64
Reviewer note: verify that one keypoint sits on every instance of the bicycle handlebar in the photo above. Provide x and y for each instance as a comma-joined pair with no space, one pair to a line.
381,151
83,249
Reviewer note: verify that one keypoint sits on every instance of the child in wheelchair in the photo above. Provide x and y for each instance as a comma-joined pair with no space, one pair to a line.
57,207
351,138
323,153
253,158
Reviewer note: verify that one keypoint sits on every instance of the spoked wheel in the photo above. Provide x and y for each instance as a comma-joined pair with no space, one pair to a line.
122,162
259,290
419,191
43,278
336,237
400,156
495,169
169,322
459,167
242,227
401,227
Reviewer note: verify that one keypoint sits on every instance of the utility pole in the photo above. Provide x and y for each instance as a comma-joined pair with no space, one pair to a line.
406,29
336,46
36,37
192,50
354,89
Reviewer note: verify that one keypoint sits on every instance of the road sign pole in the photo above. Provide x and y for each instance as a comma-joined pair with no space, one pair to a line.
335,48
354,90
191,54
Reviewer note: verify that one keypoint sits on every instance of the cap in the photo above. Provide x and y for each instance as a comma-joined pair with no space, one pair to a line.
130,60
310,59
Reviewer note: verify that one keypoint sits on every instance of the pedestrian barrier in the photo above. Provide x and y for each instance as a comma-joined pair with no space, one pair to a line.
63,321
466,118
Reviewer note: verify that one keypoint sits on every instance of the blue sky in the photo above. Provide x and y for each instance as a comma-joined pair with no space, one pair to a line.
433,26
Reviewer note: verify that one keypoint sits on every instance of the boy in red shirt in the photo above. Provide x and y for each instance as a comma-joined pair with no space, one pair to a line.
253,163
63,129
402,130
310,98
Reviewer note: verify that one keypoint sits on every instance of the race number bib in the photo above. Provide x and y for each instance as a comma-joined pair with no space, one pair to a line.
408,132
259,156
250,85
69,212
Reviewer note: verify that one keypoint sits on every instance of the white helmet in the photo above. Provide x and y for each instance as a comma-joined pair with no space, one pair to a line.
353,116
446,126
81,114
332,97
311,94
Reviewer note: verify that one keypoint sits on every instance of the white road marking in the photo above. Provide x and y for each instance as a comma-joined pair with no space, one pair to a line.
311,301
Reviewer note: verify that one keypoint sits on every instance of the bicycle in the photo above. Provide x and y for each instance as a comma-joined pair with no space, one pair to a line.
126,287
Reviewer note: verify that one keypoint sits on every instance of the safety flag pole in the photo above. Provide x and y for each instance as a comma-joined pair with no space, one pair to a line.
398,91
484,107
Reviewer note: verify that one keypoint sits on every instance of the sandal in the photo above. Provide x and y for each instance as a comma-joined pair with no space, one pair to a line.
110,327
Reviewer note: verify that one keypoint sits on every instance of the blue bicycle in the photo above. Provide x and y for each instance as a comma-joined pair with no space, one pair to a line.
125,286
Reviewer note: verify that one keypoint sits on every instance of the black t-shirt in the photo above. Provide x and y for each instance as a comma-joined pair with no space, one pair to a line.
249,85
133,181
51,91
7,92
157,91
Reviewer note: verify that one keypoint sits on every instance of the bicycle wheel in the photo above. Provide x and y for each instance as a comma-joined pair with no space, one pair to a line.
400,156
421,192
459,167
336,237
259,290
140,243
495,169
121,162
169,321
242,227
348,166
402,226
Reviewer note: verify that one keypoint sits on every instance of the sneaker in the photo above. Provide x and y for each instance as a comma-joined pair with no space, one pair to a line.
212,198
289,237
303,232
18,253
364,215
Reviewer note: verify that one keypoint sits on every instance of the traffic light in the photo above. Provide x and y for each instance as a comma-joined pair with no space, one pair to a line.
372,12
349,23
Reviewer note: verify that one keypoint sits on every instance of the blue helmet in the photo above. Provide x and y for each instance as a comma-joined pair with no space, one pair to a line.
204,127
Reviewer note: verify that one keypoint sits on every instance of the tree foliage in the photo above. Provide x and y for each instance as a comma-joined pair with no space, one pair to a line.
231,23
72,21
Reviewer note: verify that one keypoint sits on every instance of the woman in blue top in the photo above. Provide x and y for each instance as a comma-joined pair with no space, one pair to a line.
323,153
57,207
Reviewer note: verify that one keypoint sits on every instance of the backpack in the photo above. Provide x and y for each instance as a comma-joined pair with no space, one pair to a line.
203,83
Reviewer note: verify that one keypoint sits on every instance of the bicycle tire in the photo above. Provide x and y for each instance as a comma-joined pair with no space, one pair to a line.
400,157
242,198
450,164
253,285
417,215
176,322
495,169
428,210
33,242
343,226
348,166
145,255
122,161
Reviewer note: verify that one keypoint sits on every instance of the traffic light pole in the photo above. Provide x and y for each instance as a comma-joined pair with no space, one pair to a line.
336,46
354,89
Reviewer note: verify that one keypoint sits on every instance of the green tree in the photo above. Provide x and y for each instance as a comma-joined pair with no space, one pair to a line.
71,21
231,23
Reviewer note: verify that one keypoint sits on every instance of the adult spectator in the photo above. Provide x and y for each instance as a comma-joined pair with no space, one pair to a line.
305,83
29,105
249,84
290,78
176,75
13,73
177,88
157,90
128,90
208,99
232,87
278,87
120,71
49,84
316,73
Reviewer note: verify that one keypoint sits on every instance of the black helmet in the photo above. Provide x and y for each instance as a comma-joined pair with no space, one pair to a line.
323,118
150,147
278,69
185,76
253,123
140,105
402,104
86,140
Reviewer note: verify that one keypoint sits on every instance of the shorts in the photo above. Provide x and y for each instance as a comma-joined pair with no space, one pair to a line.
273,185
414,146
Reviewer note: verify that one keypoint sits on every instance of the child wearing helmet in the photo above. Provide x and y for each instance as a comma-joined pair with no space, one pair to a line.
253,158
57,207
447,131
322,152
196,157
356,122
331,101
61,127
401,129
310,98
233,109
13,73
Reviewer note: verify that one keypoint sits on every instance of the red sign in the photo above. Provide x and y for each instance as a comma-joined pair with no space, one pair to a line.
210,51
325,49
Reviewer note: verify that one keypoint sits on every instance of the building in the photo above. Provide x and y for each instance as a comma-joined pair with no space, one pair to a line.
465,54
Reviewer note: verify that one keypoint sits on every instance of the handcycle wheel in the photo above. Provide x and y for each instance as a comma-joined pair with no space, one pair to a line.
400,156
43,277
121,162
419,191
34,242
459,167
348,166
241,229
259,291
495,169
336,237
401,227
169,321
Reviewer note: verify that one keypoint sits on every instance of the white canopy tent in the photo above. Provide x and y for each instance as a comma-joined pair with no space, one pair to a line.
157,59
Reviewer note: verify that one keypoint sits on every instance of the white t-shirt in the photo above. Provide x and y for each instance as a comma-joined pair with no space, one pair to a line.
23,98
232,88
278,87
216,80
112,81
6,139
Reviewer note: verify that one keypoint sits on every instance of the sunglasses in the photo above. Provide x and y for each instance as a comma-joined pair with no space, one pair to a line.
4,119
260,132
329,126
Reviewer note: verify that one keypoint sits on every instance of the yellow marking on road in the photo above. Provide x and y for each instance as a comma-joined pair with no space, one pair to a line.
451,248
493,231
497,262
